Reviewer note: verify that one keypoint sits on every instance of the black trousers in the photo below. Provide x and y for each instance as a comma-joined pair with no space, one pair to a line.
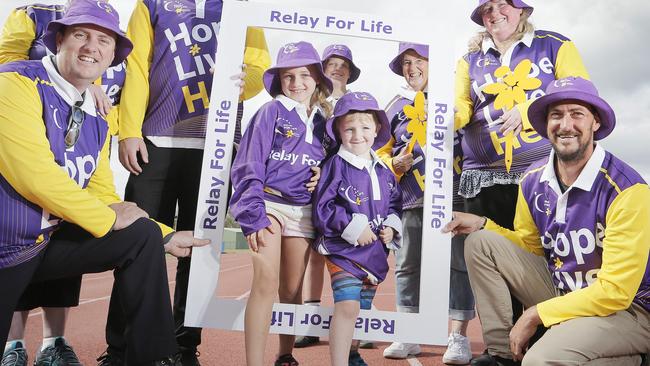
172,176
498,203
61,293
138,260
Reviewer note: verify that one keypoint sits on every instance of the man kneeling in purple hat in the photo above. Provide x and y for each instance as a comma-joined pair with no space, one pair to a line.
578,257
60,214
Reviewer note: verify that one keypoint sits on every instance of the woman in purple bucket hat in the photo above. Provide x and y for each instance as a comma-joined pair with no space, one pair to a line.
282,145
507,66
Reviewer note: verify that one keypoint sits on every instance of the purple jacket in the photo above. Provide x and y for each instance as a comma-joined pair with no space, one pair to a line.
274,162
347,199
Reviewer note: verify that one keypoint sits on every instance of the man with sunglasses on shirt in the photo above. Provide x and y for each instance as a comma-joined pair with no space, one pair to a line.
60,215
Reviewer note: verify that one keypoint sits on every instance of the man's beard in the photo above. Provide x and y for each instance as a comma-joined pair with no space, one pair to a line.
576,155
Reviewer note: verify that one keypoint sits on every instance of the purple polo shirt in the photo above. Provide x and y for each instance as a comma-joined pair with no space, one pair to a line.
25,228
572,224
180,82
274,160
483,144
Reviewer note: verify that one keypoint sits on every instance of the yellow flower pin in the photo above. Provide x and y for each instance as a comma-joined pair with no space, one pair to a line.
195,49
558,263
417,125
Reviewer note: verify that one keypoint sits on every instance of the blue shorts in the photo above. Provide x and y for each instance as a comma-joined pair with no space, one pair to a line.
345,286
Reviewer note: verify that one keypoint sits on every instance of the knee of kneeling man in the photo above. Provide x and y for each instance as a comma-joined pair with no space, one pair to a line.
534,358
475,242
146,229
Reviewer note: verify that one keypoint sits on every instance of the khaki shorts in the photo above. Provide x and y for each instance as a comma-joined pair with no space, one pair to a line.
294,220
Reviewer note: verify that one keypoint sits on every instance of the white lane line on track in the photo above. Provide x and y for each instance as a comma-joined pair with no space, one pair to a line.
244,295
413,361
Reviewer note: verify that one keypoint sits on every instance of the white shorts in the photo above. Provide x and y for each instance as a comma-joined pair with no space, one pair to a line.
294,220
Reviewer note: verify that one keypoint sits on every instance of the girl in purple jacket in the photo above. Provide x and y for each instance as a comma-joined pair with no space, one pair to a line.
357,210
271,202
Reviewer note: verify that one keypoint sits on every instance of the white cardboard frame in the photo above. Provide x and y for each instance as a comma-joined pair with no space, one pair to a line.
204,309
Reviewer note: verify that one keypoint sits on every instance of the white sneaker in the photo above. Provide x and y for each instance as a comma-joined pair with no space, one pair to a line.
401,350
458,350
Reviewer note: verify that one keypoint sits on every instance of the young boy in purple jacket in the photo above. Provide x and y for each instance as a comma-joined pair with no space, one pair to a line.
357,210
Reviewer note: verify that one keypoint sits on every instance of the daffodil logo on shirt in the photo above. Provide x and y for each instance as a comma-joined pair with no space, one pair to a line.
510,90
511,85
354,195
286,129
174,6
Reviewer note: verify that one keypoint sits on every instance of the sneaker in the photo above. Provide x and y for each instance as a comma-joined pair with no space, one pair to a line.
60,354
16,356
458,350
366,344
487,359
399,350
286,360
110,359
355,359
305,341
189,358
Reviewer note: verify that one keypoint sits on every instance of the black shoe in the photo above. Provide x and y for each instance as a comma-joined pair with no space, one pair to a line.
354,359
189,358
488,360
16,356
60,354
286,360
305,341
645,360
110,359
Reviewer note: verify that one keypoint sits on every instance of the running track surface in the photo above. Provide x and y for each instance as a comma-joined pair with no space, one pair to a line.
85,331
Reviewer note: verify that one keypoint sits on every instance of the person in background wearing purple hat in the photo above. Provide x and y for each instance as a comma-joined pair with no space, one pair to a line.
62,217
163,120
358,205
578,255
508,65
22,39
278,155
406,158
339,67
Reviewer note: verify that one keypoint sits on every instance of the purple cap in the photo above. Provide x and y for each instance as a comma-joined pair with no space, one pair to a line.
396,64
96,12
478,19
294,55
345,53
567,89
360,102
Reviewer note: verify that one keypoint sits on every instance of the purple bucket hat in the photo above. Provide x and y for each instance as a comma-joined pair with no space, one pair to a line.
294,55
96,12
360,102
572,88
396,64
345,53
478,19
